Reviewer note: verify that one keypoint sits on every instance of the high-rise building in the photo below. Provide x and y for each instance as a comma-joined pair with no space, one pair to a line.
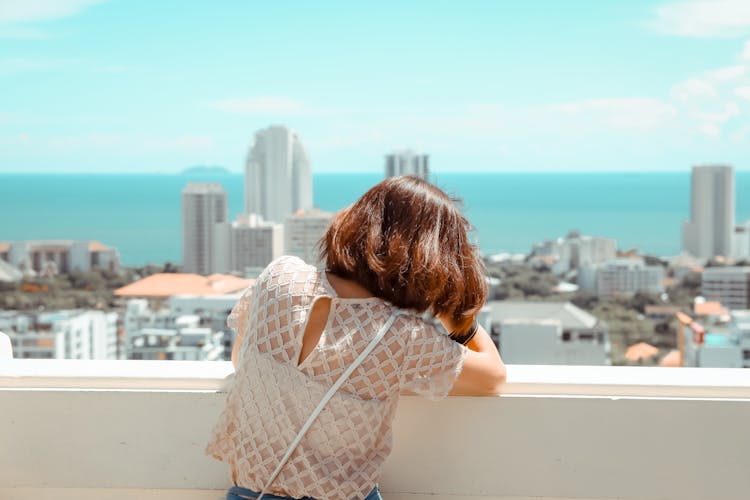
741,241
710,230
255,242
278,179
407,162
246,245
303,231
728,285
204,208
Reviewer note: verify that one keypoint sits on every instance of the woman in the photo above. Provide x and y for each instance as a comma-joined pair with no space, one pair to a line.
400,251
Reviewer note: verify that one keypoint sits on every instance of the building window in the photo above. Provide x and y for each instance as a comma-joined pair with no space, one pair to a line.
566,336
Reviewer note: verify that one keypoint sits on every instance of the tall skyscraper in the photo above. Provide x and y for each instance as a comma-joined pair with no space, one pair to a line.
204,208
710,230
407,162
278,180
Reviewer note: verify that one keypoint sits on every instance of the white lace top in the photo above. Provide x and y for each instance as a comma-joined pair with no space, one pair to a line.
342,454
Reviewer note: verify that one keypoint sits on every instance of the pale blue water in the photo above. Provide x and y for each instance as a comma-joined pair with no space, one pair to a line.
140,214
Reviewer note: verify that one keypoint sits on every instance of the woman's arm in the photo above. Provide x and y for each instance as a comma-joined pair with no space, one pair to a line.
483,371
236,349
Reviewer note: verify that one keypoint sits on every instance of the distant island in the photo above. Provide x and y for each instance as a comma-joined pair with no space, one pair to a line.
205,169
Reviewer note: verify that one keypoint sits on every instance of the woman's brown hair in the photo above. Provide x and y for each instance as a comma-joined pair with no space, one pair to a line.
406,242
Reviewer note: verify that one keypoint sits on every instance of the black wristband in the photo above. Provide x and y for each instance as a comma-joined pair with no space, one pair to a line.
466,337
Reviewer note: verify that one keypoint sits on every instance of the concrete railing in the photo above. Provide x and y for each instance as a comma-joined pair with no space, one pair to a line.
136,429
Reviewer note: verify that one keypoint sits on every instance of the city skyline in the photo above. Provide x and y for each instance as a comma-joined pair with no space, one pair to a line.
628,86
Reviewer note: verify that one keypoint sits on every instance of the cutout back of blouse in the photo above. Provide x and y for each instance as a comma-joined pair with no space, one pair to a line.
342,455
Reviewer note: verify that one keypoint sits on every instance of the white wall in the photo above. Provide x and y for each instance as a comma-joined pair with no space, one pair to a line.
137,430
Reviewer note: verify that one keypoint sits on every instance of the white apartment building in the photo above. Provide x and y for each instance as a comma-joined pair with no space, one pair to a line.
548,333
621,276
407,162
212,310
52,257
247,244
728,285
162,329
278,178
183,344
204,208
575,251
303,231
64,334
139,315
710,230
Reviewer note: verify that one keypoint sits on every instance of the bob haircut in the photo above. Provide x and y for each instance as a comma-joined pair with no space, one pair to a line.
406,242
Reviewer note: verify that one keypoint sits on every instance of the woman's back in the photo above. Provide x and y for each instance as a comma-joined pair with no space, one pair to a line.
277,385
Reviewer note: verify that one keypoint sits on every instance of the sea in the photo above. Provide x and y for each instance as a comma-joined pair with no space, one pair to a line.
140,214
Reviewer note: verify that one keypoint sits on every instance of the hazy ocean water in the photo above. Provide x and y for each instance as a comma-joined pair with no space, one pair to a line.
140,214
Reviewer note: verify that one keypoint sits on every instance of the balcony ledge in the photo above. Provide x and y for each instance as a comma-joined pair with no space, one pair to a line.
136,429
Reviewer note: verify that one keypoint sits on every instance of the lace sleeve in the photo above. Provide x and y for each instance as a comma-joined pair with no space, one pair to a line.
247,306
238,317
431,363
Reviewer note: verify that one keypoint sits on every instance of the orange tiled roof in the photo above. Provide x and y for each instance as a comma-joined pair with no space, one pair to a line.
710,308
96,246
168,284
671,359
4,246
641,350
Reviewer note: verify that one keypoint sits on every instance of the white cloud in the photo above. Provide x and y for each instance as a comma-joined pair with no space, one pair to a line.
640,113
727,73
692,88
703,18
115,143
710,129
12,65
728,111
192,143
708,102
743,92
24,11
118,69
261,105
346,137
746,51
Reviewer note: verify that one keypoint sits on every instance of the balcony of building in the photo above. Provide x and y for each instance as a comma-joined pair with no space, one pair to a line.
136,430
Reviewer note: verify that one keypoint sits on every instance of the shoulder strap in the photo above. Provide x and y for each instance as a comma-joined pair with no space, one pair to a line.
335,387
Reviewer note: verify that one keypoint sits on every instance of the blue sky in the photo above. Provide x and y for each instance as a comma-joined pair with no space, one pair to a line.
142,86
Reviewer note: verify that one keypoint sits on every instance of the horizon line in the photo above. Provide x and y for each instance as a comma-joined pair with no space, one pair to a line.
371,172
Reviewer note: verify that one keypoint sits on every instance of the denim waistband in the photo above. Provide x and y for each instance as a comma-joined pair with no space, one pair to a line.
240,492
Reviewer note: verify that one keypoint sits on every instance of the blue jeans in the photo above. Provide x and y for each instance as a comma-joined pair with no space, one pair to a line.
238,493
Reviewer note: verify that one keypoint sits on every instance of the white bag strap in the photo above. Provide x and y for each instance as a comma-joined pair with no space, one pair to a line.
339,382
